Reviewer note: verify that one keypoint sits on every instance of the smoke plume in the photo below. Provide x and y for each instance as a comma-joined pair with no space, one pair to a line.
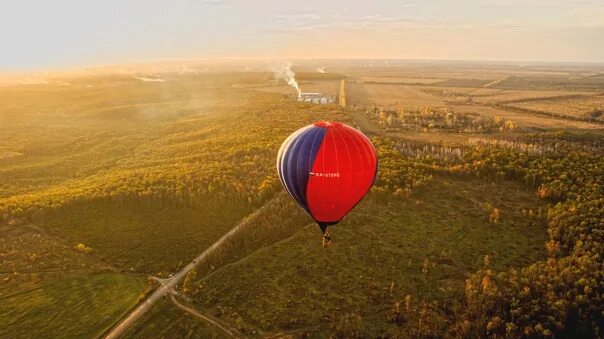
283,70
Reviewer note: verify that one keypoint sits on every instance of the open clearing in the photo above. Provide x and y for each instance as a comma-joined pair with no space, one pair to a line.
76,306
390,96
514,95
398,80
448,92
583,107
525,119
145,240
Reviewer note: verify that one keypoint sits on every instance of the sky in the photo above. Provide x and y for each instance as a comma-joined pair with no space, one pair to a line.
39,35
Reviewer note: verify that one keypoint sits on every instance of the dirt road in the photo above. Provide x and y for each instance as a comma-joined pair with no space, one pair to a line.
168,285
366,125
226,328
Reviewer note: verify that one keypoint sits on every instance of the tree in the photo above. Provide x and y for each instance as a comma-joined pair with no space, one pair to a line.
188,285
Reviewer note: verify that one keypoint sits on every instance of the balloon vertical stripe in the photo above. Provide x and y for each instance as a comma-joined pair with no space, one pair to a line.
327,167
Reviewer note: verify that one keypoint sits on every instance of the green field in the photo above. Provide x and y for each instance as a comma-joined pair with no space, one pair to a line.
296,283
75,306
142,239
167,321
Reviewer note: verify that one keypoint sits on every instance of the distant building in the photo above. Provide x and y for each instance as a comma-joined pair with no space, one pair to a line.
317,98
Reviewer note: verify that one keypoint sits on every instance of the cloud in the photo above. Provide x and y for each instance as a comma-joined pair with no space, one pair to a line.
565,13
298,17
316,21
562,13
543,3
213,3
372,22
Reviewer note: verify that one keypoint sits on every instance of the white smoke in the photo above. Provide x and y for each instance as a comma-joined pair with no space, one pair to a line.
321,69
145,79
283,70
42,81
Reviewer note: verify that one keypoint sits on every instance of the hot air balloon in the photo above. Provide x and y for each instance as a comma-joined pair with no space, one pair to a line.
327,167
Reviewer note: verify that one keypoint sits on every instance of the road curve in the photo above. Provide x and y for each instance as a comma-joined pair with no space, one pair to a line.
168,285
229,330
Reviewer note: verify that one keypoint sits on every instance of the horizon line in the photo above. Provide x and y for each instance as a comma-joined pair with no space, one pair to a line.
133,63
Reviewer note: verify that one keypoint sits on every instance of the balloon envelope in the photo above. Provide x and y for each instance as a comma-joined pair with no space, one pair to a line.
327,167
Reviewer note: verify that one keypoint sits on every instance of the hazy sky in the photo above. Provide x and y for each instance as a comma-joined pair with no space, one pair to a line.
61,33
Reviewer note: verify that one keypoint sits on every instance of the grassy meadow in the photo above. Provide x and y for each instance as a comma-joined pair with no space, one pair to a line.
76,306
386,249
587,107
167,321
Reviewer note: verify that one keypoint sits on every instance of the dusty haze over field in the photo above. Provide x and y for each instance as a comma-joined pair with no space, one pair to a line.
65,34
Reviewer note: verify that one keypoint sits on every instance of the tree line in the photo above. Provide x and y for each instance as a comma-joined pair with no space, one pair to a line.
560,296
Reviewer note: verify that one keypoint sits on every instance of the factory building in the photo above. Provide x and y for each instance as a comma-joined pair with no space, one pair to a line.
317,98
